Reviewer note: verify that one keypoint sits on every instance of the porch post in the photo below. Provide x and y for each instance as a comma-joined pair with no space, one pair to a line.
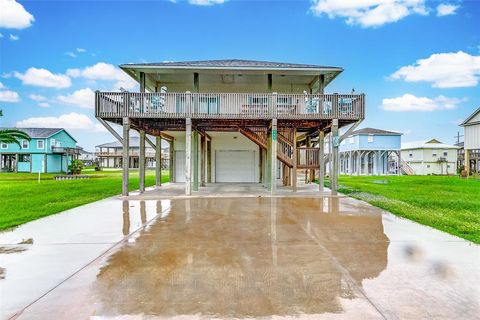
188,157
274,156
209,161
350,163
195,160
335,143
260,164
399,164
141,161
125,147
294,169
171,161
202,160
268,161
375,163
321,160
467,161
158,161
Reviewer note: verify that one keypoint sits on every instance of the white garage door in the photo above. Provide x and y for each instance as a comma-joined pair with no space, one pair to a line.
179,166
234,166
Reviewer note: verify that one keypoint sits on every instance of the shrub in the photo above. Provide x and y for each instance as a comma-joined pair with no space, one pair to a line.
75,167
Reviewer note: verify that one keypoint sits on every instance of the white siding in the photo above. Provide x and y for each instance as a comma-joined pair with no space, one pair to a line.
472,136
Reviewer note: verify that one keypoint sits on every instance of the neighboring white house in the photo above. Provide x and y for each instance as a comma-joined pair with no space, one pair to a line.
430,157
472,141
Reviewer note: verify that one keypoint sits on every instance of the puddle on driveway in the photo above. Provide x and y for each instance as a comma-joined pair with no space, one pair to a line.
243,258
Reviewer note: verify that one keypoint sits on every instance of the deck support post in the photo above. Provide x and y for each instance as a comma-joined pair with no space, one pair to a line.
171,161
141,162
273,173
188,157
335,145
294,168
195,160
158,161
268,161
260,165
202,160
125,155
399,163
209,161
467,161
321,160
350,163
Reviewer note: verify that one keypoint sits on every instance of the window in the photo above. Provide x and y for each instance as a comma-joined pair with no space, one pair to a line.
24,144
352,139
428,166
24,158
448,166
370,138
434,153
445,153
40,144
52,143
410,155
4,145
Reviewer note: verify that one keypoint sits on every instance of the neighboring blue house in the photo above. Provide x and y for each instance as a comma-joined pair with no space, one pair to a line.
50,150
370,151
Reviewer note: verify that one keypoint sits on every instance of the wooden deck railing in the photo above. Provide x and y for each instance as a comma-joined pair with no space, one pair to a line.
229,105
307,158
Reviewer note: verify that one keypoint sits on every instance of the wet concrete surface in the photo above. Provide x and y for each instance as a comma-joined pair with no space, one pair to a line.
280,258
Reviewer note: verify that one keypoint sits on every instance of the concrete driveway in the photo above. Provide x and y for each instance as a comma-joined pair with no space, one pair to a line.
250,257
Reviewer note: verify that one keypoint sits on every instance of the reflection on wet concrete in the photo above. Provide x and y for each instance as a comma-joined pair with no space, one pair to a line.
228,258
307,258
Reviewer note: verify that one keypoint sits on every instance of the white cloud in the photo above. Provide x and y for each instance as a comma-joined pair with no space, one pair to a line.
409,102
444,9
70,54
83,98
81,50
205,2
14,37
2,86
14,16
37,97
443,70
72,121
368,13
44,104
9,96
43,78
104,71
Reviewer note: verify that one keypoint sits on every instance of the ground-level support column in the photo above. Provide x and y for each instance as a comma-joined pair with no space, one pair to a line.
321,160
158,161
399,163
202,160
375,163
294,169
350,163
335,144
141,162
188,157
467,161
171,161
268,161
273,174
260,164
209,161
125,156
195,160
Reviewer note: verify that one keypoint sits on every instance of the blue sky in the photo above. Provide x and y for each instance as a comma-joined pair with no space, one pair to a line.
418,62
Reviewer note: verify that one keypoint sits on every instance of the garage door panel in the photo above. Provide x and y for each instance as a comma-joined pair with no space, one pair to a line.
179,166
234,166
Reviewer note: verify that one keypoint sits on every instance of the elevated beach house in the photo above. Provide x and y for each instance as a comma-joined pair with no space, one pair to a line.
49,150
429,157
370,151
231,120
471,146
109,155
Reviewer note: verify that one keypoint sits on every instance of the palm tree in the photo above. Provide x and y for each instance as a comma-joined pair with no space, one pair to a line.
12,135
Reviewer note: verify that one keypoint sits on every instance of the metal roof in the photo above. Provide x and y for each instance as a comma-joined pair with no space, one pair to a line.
375,131
232,63
470,117
41,133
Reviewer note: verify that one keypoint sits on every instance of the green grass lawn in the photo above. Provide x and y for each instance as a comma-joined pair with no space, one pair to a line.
23,199
450,204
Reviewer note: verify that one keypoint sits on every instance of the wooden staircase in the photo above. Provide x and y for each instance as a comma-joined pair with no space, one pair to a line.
406,169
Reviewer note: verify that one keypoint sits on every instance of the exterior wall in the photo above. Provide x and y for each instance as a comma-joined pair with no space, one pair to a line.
221,141
23,167
472,136
62,139
380,142
423,162
37,162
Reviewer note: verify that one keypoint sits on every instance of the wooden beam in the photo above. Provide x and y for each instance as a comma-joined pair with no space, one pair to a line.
188,158
295,161
171,164
274,157
110,129
195,160
202,160
158,161
260,164
125,156
334,148
141,162
350,130
209,161
321,160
